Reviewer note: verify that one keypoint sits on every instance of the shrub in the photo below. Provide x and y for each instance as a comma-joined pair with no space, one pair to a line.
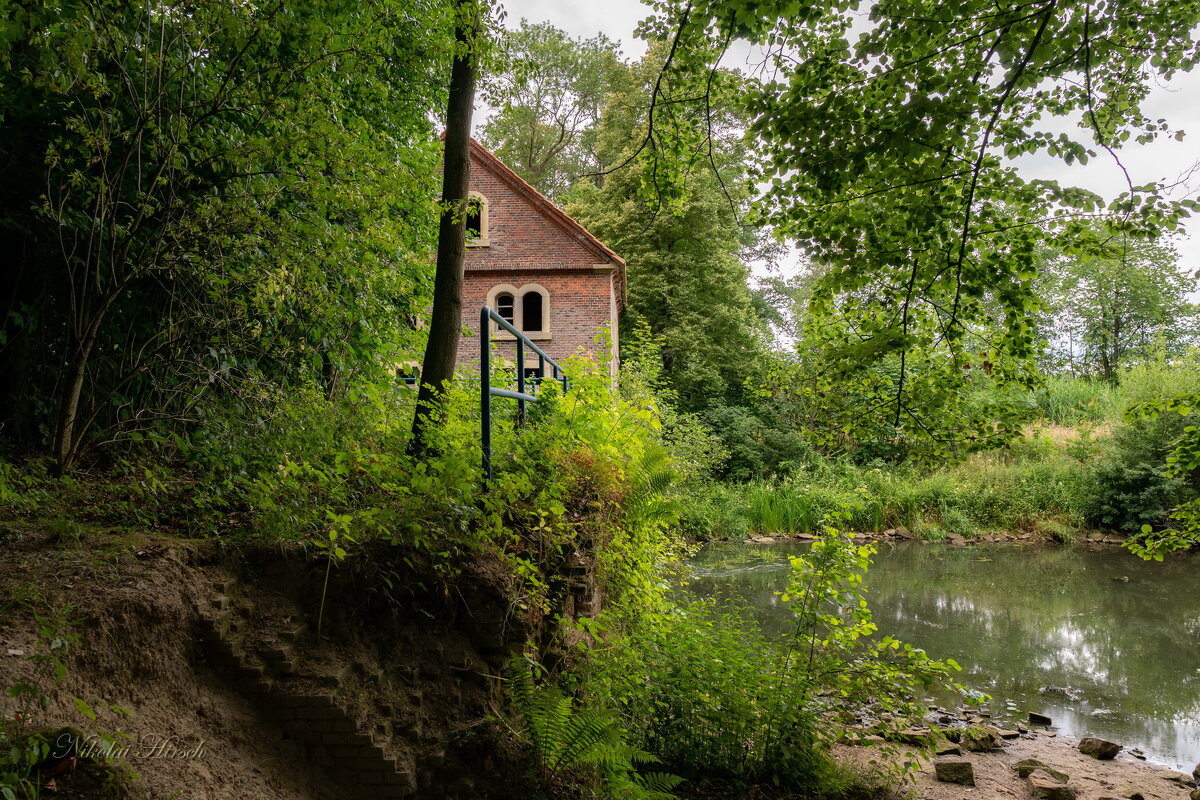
1132,484
578,745
713,697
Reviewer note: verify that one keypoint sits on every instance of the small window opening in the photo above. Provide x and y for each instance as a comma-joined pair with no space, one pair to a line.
474,219
505,307
531,312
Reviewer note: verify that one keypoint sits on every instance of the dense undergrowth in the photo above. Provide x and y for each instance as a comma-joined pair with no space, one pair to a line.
595,476
656,687
1085,462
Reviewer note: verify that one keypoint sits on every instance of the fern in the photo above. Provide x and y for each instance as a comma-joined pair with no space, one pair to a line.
567,738
650,478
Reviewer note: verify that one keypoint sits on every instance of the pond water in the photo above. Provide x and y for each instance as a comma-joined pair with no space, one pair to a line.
1059,631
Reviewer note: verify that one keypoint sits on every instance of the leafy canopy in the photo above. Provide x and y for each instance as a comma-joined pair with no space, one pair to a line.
888,136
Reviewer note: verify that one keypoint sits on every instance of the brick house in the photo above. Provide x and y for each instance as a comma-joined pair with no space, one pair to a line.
538,268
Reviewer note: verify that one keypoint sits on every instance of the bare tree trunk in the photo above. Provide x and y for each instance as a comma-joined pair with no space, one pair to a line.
65,445
441,351
66,434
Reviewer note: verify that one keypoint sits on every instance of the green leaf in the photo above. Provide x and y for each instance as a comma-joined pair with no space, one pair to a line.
83,708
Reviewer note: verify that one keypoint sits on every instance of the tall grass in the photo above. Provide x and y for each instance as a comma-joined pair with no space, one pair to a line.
987,492
1080,462
1159,379
1068,400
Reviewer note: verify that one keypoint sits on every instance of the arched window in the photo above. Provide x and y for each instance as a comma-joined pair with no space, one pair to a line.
477,220
531,311
506,306
527,309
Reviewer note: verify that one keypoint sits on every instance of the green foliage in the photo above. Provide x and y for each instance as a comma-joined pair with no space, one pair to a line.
25,744
570,109
549,91
1012,491
1146,479
1159,378
713,697
687,282
586,477
566,738
56,635
833,647
1182,466
604,453
760,441
690,682
21,752
64,530
1115,303
1066,400
887,150
169,184
22,490
1133,494
923,406
698,449
28,754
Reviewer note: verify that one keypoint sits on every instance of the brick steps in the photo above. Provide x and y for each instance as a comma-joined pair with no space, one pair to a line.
330,734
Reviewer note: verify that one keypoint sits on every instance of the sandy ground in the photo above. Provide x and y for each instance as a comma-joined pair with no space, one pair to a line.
1091,779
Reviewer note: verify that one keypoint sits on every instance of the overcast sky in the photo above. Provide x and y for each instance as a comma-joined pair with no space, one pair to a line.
1178,102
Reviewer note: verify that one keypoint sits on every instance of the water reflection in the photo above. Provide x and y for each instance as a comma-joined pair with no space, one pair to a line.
1118,658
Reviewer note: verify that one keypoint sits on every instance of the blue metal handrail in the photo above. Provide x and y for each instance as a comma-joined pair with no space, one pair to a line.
487,391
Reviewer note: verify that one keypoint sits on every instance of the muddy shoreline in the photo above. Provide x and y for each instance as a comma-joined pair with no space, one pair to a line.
1122,777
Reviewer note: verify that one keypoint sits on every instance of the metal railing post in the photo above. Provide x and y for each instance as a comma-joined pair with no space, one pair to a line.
485,391
520,381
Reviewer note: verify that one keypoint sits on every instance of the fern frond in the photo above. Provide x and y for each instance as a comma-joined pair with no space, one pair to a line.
589,735
565,737
657,785
635,786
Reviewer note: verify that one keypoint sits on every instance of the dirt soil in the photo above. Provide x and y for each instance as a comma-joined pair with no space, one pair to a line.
137,649
996,780
137,656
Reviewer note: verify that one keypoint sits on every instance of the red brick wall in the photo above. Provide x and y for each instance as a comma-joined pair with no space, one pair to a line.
525,246
580,305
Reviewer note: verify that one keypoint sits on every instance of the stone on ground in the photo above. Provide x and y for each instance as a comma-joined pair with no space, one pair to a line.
980,738
1099,748
1045,786
954,771
915,737
1027,766
1129,793
1178,777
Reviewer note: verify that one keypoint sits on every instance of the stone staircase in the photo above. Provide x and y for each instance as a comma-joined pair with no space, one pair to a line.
372,760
